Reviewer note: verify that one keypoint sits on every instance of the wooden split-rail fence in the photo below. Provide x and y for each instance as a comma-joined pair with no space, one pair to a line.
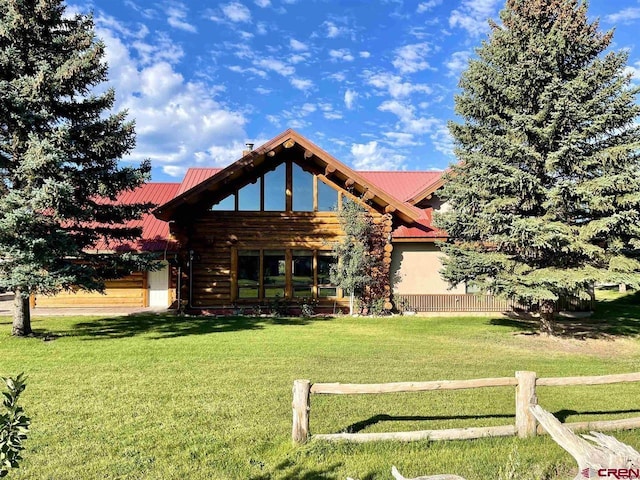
525,395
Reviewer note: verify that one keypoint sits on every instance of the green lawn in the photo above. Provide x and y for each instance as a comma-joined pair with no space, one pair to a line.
161,397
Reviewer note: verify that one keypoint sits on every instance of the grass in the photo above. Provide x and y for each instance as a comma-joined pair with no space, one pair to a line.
163,397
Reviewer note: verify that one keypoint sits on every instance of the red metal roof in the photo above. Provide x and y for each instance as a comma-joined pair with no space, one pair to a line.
155,233
194,176
402,185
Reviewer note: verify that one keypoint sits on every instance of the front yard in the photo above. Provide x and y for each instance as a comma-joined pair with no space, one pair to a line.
162,397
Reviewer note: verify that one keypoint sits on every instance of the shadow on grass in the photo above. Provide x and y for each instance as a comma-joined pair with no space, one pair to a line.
561,415
617,317
362,425
159,326
290,471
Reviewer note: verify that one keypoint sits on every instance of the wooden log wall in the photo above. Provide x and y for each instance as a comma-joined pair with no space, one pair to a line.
130,291
525,396
216,236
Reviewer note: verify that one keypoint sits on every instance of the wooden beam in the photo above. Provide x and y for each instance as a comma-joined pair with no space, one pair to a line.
389,209
350,388
368,195
271,153
449,434
595,380
308,154
289,143
329,169
349,182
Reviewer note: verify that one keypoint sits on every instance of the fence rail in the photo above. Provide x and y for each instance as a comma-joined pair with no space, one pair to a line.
477,303
525,396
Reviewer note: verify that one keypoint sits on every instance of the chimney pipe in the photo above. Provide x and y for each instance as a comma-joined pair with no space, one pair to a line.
248,150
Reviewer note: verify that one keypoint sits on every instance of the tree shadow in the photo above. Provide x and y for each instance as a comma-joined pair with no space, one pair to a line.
160,326
363,424
291,471
618,317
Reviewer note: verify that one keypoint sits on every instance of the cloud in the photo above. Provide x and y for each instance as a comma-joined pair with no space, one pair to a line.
263,3
275,65
401,139
297,45
365,54
472,16
350,97
371,156
177,17
338,77
410,58
236,12
627,15
328,112
408,122
178,120
426,6
394,84
335,31
341,54
457,63
301,84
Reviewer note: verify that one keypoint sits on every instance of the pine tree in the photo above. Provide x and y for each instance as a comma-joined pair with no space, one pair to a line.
546,194
59,153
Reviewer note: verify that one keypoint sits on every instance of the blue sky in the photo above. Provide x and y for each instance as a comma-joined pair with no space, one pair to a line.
370,81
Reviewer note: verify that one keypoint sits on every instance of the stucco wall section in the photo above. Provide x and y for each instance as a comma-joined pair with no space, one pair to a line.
415,270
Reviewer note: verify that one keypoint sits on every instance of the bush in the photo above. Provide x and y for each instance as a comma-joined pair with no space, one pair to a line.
14,425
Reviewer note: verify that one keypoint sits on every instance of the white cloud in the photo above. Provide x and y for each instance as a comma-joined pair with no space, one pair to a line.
177,120
394,85
426,6
350,97
297,45
627,15
457,63
236,12
177,17
410,58
400,139
338,77
250,70
301,84
408,122
365,54
263,3
276,66
162,50
307,109
175,171
634,71
371,156
334,31
341,54
442,140
472,16
263,91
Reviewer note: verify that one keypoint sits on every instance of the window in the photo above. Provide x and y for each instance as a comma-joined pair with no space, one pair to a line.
302,273
274,274
249,197
325,287
227,204
302,189
306,277
249,274
327,197
274,189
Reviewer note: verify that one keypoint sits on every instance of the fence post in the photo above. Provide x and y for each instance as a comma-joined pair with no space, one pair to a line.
300,430
526,423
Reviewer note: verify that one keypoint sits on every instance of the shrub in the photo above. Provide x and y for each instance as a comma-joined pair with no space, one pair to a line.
14,425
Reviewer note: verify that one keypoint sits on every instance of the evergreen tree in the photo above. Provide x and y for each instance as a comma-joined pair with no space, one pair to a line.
59,152
546,195
359,254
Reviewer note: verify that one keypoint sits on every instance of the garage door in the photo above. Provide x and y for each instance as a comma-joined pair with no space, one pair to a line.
129,291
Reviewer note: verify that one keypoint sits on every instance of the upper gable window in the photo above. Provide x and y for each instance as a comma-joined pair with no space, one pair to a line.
249,197
227,204
302,190
274,189
327,197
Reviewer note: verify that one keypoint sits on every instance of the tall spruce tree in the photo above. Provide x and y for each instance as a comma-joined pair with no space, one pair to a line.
59,154
546,195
